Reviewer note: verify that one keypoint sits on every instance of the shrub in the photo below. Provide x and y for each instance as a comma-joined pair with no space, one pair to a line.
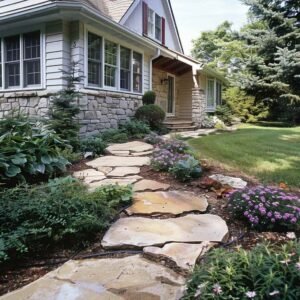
153,138
135,129
186,169
32,218
149,98
265,208
263,273
114,136
225,113
70,155
174,146
29,148
93,144
151,114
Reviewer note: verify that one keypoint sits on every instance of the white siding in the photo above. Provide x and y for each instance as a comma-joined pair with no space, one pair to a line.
146,73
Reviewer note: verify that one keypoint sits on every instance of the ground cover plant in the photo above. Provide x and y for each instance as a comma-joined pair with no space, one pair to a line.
266,208
33,218
270,154
265,272
29,148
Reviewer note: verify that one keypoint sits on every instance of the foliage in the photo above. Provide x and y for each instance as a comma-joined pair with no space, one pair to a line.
151,114
64,109
224,113
174,146
153,138
208,122
186,169
93,144
113,136
265,272
135,129
28,148
243,106
266,208
70,155
32,218
149,98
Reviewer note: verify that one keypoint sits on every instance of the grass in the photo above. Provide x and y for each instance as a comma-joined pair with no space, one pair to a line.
270,154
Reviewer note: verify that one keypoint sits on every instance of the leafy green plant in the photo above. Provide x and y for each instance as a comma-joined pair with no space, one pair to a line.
265,272
151,114
93,144
62,211
149,98
186,169
224,113
135,129
29,148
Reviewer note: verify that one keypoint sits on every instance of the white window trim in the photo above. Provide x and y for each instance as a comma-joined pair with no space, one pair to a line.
174,94
153,35
42,60
104,36
212,108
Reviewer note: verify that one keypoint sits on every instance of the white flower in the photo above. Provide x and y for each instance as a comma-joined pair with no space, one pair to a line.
298,266
199,290
274,293
217,289
251,294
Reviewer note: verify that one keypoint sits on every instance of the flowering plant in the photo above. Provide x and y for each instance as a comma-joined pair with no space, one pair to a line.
153,138
174,146
265,207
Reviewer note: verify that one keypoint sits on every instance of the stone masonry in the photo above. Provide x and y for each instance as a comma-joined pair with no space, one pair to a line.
198,106
99,110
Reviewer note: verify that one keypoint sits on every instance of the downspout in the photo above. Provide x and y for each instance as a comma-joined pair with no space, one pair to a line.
157,55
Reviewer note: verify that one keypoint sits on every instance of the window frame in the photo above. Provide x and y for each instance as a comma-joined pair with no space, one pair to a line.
215,94
152,23
22,87
132,48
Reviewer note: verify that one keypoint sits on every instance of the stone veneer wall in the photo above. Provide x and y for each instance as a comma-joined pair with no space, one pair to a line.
99,110
198,106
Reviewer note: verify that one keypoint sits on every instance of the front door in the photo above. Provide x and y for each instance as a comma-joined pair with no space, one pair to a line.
171,96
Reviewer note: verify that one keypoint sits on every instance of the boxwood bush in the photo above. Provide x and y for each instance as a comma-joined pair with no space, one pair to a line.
151,114
265,272
62,211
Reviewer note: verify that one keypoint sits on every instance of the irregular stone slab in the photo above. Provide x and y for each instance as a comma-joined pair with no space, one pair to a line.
183,255
89,175
150,185
105,170
236,183
131,147
124,171
105,279
142,153
138,232
114,181
119,153
118,161
173,203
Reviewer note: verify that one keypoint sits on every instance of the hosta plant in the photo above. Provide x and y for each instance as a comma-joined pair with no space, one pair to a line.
266,207
263,273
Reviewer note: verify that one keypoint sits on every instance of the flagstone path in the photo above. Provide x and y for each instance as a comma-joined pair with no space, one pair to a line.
171,228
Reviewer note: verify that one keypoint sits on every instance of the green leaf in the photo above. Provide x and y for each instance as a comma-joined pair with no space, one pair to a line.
12,171
19,160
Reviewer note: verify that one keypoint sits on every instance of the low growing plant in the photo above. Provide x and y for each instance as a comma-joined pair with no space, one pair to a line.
135,129
186,169
62,211
93,144
174,145
153,138
266,208
266,272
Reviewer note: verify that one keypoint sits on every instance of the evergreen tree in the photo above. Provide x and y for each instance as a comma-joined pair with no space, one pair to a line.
64,108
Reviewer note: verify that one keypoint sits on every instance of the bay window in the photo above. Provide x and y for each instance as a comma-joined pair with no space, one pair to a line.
113,66
110,72
20,61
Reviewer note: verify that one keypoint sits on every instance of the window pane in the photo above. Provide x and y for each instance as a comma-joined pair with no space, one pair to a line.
94,59
32,45
137,72
150,22
125,80
125,68
12,47
125,58
12,58
110,76
211,93
158,27
32,72
12,74
111,51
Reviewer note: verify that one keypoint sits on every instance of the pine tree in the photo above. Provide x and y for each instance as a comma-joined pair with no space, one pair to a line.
64,108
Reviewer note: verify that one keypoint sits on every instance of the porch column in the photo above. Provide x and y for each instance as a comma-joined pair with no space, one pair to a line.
198,106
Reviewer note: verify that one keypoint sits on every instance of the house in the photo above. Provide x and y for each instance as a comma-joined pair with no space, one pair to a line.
123,48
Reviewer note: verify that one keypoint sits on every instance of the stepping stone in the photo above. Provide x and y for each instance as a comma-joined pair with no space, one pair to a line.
142,153
183,255
105,170
130,147
114,181
124,171
119,153
138,232
236,183
173,203
150,185
89,175
126,278
118,161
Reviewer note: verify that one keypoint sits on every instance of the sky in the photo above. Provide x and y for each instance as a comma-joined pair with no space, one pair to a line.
194,16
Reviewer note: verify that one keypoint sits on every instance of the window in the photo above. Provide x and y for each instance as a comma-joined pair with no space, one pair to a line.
151,15
158,26
219,93
21,60
210,93
125,68
110,72
32,59
137,72
94,59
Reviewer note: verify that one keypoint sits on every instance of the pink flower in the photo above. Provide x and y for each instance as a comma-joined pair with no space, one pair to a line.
217,289
251,295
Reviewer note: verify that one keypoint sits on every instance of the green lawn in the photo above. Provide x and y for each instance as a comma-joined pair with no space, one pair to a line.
272,155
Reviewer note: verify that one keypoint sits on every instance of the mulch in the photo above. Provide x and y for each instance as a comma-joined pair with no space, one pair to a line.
20,273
